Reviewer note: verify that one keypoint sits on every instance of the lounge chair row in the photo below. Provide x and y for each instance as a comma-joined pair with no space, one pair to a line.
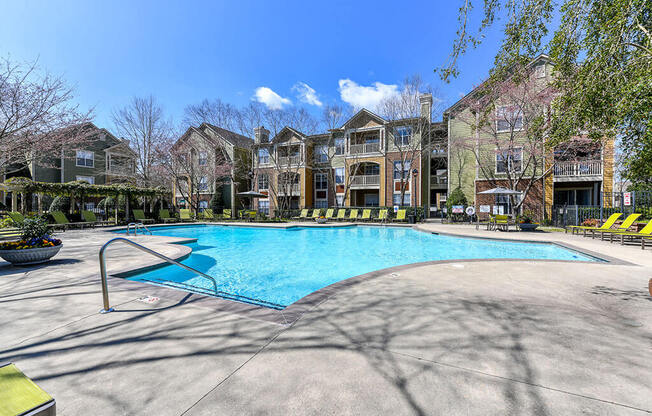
621,232
61,221
353,215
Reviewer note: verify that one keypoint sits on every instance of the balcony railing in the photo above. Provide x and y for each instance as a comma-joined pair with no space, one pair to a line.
438,180
365,180
289,160
289,189
365,148
578,169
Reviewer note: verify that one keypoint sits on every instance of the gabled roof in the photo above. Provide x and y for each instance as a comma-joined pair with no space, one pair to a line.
233,138
364,111
458,103
190,131
285,130
123,145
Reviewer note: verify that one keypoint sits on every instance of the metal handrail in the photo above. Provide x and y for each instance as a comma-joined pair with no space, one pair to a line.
105,289
138,225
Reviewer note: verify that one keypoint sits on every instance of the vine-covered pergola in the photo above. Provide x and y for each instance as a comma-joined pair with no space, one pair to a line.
75,190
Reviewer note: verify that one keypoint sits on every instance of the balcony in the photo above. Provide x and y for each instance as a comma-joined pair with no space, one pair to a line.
585,170
289,160
365,181
438,181
289,189
357,149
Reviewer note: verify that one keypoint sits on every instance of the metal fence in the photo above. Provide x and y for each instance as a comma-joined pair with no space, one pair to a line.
610,202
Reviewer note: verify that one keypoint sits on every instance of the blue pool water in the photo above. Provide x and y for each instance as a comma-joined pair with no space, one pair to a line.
280,266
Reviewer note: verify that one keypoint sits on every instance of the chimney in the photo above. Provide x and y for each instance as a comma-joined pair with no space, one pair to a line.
426,106
261,135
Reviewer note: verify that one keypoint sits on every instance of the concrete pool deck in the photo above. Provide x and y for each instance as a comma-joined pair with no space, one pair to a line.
486,337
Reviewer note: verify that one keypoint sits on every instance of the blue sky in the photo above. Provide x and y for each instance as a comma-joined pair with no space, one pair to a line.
184,51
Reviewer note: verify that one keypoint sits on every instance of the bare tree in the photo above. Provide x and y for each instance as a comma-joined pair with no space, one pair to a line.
510,122
37,117
143,123
214,112
409,127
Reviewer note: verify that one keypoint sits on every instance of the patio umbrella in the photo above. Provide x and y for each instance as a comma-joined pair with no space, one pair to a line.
501,191
252,194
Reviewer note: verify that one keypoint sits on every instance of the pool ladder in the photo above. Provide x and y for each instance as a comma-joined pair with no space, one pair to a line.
105,289
138,226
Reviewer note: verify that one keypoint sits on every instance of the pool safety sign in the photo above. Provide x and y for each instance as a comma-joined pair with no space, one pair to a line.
627,198
485,209
457,209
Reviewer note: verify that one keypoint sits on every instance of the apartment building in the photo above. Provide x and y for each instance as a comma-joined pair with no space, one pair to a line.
367,162
210,161
574,173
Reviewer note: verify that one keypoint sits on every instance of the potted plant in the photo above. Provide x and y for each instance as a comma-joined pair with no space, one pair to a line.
35,246
525,223
321,219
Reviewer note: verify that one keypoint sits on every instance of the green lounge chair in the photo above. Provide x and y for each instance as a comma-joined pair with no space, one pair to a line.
644,234
382,215
164,215
316,213
501,222
208,214
90,217
400,215
139,215
303,214
9,233
341,214
61,221
19,395
623,227
226,214
366,215
329,213
607,225
184,215
353,215
17,217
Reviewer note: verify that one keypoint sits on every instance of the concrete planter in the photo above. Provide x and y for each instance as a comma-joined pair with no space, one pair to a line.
321,220
30,255
528,227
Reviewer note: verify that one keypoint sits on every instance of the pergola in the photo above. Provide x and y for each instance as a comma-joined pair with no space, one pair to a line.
73,190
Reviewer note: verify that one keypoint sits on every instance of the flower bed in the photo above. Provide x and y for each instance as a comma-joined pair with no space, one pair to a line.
45,241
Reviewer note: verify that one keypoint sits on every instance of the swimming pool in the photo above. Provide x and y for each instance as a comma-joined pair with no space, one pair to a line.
275,267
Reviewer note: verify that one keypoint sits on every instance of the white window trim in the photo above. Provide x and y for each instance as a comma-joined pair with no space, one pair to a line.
85,166
84,177
508,164
258,180
498,130
320,190
397,137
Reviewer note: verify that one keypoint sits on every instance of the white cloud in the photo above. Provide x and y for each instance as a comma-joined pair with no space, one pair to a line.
365,96
272,100
306,94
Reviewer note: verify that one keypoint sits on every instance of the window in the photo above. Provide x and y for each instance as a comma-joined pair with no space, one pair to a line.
202,185
509,161
89,179
321,203
263,206
540,71
263,181
397,169
508,117
406,199
203,205
263,156
402,135
85,158
339,146
340,200
339,176
321,181
371,169
321,153
89,206
203,158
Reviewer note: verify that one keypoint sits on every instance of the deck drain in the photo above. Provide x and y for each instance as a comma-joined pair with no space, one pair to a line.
394,274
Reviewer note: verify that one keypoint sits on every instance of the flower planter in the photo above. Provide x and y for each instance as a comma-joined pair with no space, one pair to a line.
321,220
30,255
528,227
